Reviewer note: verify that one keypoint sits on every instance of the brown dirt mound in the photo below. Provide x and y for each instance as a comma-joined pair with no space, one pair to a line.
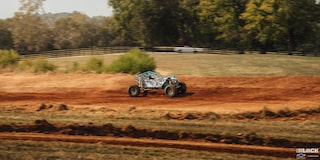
60,107
265,113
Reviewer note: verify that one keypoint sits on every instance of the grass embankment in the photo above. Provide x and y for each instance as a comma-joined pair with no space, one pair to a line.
295,128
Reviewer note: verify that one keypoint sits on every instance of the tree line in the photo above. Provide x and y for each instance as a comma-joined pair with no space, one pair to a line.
265,25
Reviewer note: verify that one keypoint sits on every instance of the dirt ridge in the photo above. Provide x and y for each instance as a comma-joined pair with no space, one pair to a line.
43,126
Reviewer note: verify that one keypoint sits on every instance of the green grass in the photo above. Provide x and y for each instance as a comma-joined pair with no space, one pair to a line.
220,65
239,65
26,150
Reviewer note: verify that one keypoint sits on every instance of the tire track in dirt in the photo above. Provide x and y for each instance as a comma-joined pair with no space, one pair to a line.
199,146
210,93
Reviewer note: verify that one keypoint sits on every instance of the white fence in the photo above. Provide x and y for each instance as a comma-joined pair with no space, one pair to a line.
114,50
77,52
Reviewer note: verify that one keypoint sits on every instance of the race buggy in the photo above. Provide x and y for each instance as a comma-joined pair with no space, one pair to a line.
150,80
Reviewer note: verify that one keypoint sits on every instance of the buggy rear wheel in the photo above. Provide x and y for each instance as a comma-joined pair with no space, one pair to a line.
134,91
171,91
182,88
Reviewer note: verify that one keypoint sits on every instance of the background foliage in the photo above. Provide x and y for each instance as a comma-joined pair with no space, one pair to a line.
8,58
265,25
134,61
94,64
41,65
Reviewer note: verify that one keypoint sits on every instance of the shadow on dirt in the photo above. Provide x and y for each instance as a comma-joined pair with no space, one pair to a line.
188,94
155,93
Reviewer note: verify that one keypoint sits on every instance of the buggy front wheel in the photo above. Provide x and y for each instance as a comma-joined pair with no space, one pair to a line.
134,91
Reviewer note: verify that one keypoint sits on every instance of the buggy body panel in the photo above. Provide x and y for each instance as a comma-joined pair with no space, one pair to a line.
152,80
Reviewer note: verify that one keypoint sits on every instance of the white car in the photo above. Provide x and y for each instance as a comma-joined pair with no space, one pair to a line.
187,49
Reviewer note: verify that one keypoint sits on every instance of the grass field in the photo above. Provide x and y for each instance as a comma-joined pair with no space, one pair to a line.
219,65
304,131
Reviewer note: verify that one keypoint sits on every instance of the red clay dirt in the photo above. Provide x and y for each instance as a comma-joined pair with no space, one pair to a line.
216,94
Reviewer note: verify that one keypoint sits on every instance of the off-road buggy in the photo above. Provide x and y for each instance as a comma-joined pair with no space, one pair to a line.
150,80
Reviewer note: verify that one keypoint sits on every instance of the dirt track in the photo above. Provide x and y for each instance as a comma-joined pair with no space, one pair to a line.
199,146
217,94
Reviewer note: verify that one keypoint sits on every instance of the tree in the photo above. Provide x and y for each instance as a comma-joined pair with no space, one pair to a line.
224,18
80,31
147,22
31,6
190,29
107,32
161,20
68,31
29,33
299,20
281,22
89,33
5,35
126,14
261,23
